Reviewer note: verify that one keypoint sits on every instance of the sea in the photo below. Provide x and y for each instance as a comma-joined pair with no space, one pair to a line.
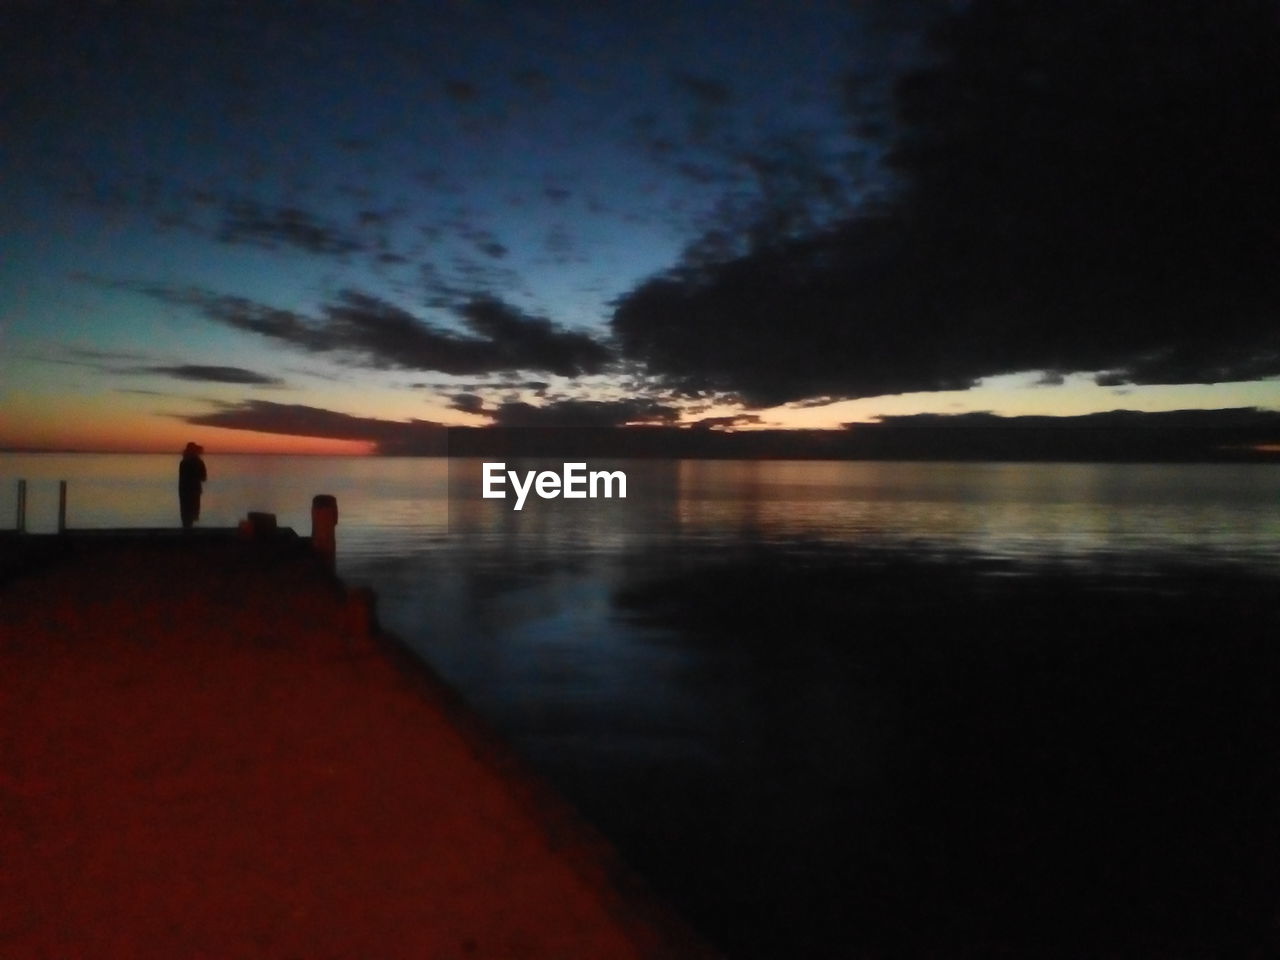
837,708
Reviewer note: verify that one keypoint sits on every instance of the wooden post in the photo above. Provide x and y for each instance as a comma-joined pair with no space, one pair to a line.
62,506
324,520
21,520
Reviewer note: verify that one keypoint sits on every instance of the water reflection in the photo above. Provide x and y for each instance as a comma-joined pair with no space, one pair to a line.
761,678
816,750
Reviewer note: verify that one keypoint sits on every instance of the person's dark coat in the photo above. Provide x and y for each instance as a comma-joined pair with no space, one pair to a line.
191,478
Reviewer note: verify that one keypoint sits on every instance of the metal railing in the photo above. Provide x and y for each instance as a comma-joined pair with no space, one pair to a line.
20,518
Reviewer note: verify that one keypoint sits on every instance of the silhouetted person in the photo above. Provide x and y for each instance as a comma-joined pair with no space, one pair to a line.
191,478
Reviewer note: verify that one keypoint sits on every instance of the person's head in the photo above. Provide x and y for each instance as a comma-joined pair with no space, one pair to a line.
193,450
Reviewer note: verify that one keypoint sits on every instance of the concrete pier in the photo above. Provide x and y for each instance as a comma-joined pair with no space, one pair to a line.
207,750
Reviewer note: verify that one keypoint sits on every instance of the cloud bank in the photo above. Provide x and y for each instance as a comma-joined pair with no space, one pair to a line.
1077,187
585,428
362,329
202,373
300,420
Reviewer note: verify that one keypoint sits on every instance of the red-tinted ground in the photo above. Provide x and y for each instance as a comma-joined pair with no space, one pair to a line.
198,760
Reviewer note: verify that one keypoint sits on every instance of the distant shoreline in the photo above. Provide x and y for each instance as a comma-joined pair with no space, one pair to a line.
1248,456
1241,435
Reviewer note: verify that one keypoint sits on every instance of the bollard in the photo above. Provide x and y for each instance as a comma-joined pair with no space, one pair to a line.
262,526
21,521
62,506
324,518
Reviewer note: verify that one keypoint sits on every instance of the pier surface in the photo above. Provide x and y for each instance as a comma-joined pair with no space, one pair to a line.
200,756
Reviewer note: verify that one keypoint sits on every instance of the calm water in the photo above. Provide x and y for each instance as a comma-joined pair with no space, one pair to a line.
1079,513
676,662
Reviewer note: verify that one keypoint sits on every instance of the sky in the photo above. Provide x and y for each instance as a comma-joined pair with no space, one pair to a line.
311,227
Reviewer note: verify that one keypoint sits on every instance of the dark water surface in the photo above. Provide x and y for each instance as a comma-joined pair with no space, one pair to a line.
844,709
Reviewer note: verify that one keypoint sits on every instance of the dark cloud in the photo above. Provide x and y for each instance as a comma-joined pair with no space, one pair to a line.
813,402
725,423
298,420
247,221
1076,187
1232,417
467,403
533,341
108,361
384,336
1116,435
785,324
1202,361
583,413
210,374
